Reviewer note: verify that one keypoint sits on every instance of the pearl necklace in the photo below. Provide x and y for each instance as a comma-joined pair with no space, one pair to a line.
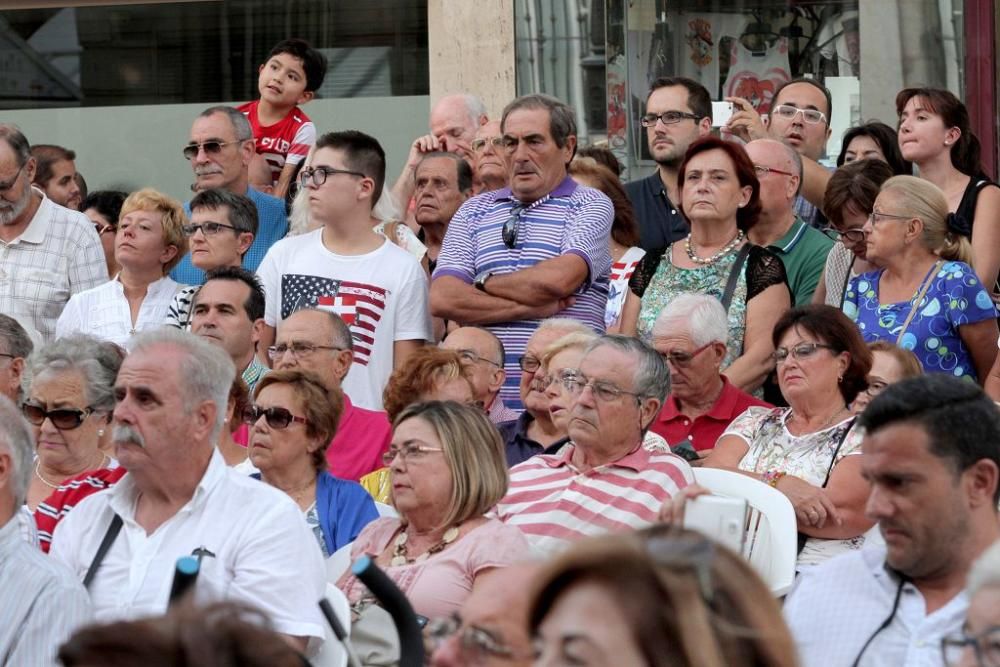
738,239
400,558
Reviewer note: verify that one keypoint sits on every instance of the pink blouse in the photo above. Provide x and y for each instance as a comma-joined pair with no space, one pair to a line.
439,586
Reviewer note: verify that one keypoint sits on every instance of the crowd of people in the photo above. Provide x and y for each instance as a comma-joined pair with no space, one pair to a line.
497,377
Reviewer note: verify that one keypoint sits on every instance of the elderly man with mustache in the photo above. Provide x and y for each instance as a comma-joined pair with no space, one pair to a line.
220,150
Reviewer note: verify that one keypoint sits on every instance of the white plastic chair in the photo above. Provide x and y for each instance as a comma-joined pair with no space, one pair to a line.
771,544
332,653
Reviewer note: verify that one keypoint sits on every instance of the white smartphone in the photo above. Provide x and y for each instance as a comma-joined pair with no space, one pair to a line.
721,113
720,518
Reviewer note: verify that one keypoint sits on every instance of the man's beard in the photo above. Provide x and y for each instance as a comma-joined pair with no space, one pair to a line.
11,211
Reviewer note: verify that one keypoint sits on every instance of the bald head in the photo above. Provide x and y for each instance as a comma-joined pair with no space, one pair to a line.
326,334
454,119
777,190
483,357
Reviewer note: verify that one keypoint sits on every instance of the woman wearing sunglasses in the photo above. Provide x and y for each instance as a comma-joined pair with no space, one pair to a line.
293,419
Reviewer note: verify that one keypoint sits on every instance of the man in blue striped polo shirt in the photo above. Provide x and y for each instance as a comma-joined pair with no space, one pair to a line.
536,249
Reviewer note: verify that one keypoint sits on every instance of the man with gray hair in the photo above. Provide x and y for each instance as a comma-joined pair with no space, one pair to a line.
691,335
220,149
535,249
15,348
42,602
802,248
49,253
604,480
179,499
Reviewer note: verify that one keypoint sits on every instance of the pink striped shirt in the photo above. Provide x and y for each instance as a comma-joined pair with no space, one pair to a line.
554,503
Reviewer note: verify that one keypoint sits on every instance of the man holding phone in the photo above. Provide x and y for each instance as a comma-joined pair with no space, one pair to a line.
678,111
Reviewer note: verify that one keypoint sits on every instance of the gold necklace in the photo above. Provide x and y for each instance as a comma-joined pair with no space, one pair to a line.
38,472
400,557
824,424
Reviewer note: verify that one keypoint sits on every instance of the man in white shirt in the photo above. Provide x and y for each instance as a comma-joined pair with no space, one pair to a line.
344,267
47,252
930,453
179,499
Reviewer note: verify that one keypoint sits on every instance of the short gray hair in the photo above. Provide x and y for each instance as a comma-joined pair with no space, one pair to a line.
563,325
18,143
207,371
16,438
241,126
95,360
652,378
474,106
16,340
985,571
562,119
701,316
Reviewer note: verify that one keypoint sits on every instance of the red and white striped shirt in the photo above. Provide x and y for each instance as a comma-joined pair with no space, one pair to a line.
554,503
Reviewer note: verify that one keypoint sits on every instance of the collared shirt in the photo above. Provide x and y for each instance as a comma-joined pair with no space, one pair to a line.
703,431
660,221
43,604
518,446
103,311
836,606
362,436
261,551
803,250
554,503
272,226
500,413
570,220
57,255
253,373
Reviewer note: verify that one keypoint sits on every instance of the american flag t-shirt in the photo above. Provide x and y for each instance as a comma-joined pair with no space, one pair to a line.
359,305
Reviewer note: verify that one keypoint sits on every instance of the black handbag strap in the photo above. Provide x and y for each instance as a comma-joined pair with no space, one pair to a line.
833,459
109,537
734,276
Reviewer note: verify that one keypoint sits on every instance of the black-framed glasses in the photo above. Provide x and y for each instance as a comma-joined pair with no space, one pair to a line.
679,358
605,392
985,647
64,419
529,363
787,111
479,144
210,147
318,175
4,187
275,417
470,357
875,216
476,643
207,228
509,230
852,236
800,351
667,118
297,348
763,170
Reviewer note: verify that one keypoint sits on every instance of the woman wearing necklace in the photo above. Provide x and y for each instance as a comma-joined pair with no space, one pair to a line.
719,196
448,469
69,405
926,298
807,451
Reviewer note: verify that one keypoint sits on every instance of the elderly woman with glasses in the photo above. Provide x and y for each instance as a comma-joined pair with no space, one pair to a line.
448,470
890,364
149,242
978,644
293,418
926,298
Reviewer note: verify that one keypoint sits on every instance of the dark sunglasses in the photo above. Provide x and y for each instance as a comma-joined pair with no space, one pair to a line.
210,148
275,417
509,230
64,419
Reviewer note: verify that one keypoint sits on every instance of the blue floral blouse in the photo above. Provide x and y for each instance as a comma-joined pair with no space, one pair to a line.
954,298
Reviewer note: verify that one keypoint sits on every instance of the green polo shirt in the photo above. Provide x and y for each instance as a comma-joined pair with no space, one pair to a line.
803,251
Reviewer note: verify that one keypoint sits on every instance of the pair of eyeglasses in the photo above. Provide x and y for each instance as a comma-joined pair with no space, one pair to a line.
318,175
509,230
876,387
104,229
4,187
275,417
64,419
605,392
298,349
667,118
875,216
801,351
787,111
408,452
207,228
477,644
210,147
470,357
478,145
985,646
678,358
763,170
852,236
529,363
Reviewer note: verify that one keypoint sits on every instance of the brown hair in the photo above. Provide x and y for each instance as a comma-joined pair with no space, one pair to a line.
908,362
965,153
322,407
835,329
173,220
421,373
239,397
624,228
855,185
687,600
747,216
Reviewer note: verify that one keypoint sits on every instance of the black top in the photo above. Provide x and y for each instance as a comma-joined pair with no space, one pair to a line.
660,221
519,447
967,207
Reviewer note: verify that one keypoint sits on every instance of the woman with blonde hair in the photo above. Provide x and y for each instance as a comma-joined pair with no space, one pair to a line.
926,298
149,242
657,597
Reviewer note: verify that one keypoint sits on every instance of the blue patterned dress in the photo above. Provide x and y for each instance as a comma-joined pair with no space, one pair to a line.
954,298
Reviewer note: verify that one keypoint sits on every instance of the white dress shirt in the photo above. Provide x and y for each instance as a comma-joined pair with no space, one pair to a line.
261,551
836,606
103,312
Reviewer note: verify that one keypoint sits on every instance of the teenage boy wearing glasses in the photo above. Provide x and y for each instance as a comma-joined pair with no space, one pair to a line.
539,247
800,117
345,267
220,150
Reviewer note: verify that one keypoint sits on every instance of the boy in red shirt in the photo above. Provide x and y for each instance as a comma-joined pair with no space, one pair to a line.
283,134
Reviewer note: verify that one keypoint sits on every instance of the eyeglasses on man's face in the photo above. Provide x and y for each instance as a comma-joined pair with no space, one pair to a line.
479,145
7,185
316,176
64,419
763,170
470,357
788,112
210,147
278,418
529,363
667,118
681,358
298,349
604,391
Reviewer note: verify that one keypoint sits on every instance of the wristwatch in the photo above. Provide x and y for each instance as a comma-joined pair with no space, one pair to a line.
480,282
